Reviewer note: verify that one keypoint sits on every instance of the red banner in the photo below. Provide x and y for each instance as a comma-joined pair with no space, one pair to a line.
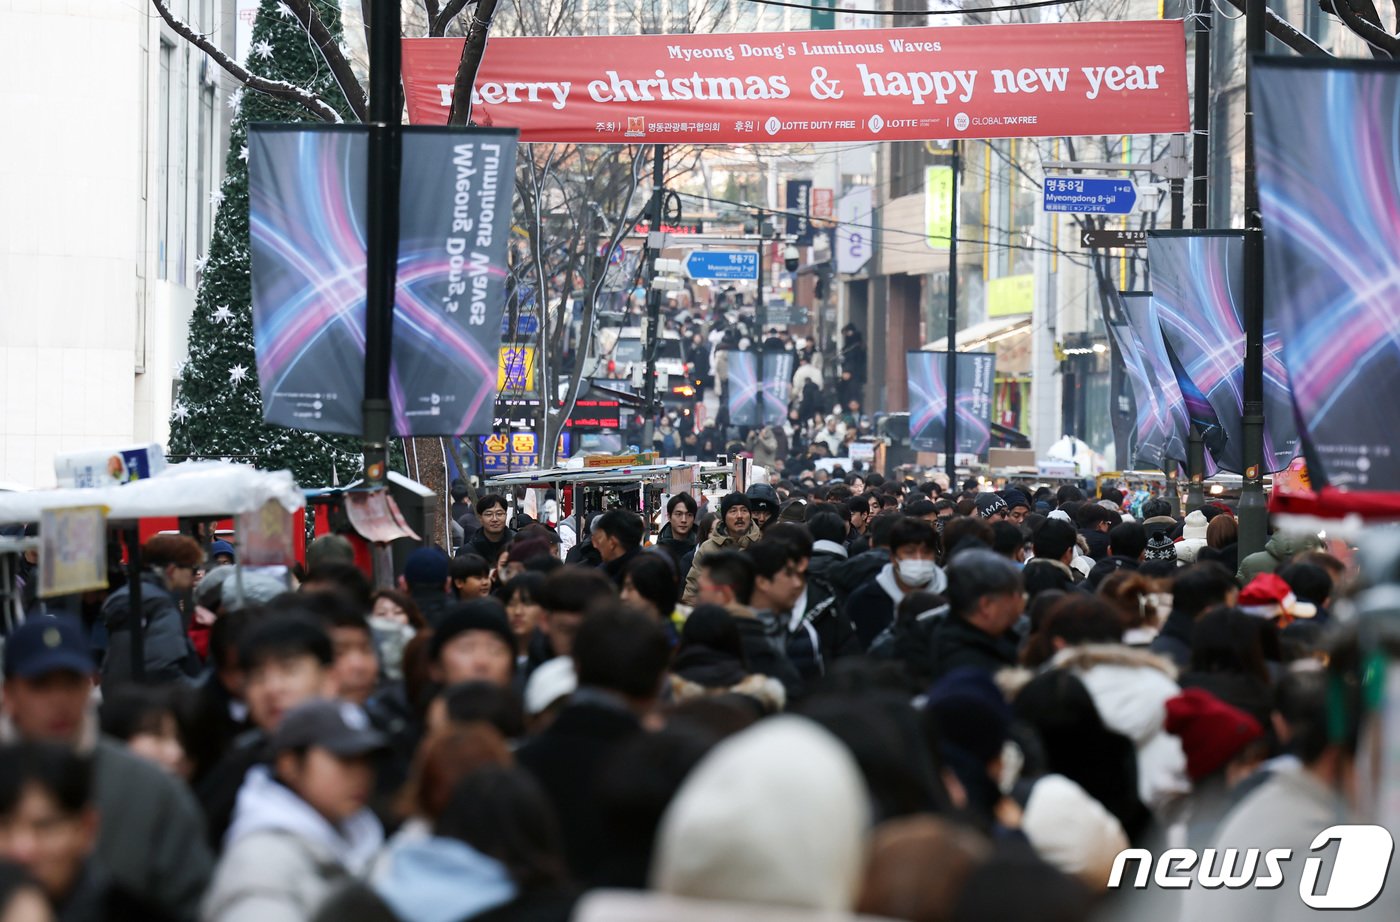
1007,81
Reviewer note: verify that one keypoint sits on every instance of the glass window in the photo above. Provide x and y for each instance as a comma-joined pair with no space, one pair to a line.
167,58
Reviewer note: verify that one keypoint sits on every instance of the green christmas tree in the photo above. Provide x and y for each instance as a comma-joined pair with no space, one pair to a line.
218,412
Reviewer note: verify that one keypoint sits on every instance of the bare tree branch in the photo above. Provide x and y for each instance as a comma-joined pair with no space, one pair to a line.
431,8
280,89
472,51
1361,18
437,23
334,57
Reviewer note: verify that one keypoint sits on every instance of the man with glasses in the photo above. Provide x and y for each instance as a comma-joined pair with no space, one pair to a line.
494,535
169,567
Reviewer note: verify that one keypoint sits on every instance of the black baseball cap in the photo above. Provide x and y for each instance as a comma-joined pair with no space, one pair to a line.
337,726
42,646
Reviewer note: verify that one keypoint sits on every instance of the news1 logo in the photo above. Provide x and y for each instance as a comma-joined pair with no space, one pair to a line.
1358,871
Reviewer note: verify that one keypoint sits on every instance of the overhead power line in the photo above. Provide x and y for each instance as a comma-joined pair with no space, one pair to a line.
1009,7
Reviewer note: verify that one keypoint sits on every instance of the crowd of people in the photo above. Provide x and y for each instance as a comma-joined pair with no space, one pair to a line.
859,698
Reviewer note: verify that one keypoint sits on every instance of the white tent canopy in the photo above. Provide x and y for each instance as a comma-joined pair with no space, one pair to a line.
199,488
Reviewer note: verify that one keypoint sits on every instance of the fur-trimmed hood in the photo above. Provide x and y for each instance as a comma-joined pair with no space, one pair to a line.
767,691
1130,688
1087,656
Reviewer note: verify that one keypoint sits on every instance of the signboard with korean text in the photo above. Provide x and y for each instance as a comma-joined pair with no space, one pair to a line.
72,550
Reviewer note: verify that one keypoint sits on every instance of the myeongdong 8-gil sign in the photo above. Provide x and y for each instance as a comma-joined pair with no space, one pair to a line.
999,81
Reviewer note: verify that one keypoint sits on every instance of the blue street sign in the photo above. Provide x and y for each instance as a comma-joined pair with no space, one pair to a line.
730,265
1089,196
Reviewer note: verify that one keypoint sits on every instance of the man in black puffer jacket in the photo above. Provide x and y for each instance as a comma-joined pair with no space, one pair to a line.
169,562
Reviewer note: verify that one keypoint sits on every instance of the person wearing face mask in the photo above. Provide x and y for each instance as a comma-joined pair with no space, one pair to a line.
735,530
913,546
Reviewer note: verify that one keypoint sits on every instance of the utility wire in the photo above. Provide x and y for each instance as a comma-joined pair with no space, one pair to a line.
1009,7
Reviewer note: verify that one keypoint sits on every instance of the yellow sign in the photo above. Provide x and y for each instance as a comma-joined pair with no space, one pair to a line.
1011,295
938,206
641,458
497,443
516,371
72,550
523,443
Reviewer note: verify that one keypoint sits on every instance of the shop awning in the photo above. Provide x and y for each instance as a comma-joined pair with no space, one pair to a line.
987,333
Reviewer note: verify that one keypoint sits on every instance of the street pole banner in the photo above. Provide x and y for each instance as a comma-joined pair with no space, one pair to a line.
993,81
799,211
307,212
777,368
454,225
1165,391
744,389
1329,192
1152,424
307,189
1198,286
928,401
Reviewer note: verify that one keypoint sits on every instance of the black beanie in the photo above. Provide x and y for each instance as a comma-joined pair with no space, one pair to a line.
730,501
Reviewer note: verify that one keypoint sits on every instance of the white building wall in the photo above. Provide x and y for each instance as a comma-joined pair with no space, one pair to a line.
79,96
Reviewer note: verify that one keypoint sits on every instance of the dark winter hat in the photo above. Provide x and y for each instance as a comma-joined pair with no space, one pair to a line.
43,646
731,500
221,547
476,615
1160,547
762,495
1211,731
989,504
1015,498
970,712
338,726
426,566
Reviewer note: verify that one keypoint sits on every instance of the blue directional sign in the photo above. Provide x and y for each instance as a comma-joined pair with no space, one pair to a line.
526,325
1089,196
729,265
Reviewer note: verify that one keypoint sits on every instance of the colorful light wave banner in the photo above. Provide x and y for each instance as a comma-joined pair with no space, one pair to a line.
1168,414
1198,288
307,217
1329,191
759,387
743,389
1159,429
928,401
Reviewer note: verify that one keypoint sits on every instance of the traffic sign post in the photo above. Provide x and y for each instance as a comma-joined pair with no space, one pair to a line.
1111,239
1089,196
725,265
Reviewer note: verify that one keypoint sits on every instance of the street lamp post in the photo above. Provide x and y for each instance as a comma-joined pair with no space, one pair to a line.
950,428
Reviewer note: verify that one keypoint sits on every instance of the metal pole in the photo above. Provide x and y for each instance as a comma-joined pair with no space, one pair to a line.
950,428
1204,11
385,156
1253,510
135,620
658,195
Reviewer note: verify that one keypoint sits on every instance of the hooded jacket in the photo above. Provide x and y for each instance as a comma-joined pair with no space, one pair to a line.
1280,547
282,858
872,607
719,540
957,643
169,655
442,880
1130,688
742,828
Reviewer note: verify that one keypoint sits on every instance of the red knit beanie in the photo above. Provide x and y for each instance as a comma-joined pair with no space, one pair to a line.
1211,731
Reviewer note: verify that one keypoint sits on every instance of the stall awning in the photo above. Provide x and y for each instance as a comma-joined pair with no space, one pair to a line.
984,334
198,488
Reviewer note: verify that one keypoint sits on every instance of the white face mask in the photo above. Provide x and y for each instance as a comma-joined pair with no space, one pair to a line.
915,572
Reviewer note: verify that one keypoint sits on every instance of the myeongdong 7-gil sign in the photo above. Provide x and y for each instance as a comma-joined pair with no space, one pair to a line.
999,81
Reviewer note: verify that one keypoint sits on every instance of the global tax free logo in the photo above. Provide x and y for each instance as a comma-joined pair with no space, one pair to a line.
1358,870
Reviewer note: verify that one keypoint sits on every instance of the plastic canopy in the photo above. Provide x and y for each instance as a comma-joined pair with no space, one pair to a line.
197,488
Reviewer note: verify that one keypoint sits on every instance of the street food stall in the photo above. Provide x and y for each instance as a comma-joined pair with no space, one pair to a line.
265,509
